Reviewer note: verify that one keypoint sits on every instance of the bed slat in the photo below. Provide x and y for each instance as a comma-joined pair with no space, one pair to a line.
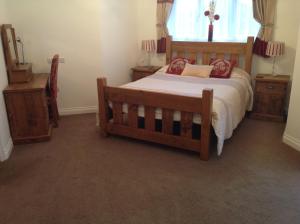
150,118
205,58
133,115
235,57
186,124
117,113
180,54
193,56
167,121
220,56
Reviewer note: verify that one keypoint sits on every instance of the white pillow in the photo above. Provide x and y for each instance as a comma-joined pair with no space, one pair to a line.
202,71
240,73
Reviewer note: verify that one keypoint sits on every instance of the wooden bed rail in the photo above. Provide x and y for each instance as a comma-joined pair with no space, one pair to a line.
127,125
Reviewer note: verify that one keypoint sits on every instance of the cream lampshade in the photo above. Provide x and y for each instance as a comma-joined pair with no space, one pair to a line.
275,49
149,47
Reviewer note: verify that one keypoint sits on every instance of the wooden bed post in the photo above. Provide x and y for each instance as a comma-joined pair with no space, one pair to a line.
207,103
103,106
248,54
169,52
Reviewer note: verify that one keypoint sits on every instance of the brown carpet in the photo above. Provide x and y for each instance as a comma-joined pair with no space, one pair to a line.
79,177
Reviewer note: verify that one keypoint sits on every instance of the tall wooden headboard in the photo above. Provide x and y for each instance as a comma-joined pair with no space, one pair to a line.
207,50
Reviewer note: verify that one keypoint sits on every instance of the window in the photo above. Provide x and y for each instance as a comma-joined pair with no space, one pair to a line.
187,21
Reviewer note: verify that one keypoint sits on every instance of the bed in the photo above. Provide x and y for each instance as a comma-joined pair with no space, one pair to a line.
181,111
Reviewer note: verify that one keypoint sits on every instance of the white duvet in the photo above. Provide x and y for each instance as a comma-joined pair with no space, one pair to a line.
232,97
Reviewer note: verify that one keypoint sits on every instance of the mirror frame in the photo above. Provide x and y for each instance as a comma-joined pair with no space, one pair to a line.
10,62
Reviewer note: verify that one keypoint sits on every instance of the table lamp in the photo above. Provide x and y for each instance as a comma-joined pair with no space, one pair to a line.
275,49
149,47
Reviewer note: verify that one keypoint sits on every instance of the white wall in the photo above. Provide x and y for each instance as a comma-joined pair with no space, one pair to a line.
95,37
5,139
286,29
292,132
287,20
146,18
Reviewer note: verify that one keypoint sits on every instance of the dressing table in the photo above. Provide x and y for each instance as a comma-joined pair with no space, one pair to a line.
25,96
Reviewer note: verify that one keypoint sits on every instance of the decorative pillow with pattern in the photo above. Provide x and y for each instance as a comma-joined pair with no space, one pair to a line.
178,64
222,68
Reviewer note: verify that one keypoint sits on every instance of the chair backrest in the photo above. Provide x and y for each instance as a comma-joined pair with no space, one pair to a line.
53,76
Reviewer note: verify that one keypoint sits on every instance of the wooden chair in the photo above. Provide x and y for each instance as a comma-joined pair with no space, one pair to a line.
52,95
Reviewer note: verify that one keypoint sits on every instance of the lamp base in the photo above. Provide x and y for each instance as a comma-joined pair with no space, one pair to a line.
148,60
273,67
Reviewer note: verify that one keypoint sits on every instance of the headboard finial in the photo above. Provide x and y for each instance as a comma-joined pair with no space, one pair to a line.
248,55
169,52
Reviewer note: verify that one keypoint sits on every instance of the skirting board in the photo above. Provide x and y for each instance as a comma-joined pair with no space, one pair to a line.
6,151
78,110
291,141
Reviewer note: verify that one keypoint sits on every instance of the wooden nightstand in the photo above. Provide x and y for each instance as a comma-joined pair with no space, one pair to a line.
140,72
269,97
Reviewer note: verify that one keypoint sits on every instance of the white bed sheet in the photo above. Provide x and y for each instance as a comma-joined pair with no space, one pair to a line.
232,97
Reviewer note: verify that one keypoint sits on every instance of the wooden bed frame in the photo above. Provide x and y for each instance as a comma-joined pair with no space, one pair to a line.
114,121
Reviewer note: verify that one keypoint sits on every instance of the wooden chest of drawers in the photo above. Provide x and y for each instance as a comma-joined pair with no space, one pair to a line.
140,72
269,97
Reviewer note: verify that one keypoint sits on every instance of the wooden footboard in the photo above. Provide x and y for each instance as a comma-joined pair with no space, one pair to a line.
119,124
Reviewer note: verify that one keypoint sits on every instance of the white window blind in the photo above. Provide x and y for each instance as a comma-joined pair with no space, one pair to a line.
187,21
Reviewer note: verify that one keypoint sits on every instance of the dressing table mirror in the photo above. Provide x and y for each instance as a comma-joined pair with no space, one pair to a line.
17,72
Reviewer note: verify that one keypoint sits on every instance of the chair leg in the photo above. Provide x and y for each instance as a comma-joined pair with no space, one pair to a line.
55,114
56,109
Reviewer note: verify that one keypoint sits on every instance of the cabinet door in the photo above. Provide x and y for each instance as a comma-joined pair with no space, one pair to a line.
271,104
28,114
260,103
276,105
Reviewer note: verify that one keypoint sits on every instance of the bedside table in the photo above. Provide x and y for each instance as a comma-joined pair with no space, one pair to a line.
140,72
269,97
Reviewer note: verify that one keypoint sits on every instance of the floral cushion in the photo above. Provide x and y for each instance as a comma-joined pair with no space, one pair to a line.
178,64
222,68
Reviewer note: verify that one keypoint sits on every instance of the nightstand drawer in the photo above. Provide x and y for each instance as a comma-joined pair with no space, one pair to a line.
139,75
270,87
140,72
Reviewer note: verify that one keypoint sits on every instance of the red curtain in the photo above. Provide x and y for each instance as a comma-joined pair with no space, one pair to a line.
260,47
161,45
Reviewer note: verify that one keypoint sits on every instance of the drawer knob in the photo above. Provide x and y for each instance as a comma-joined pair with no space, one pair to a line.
270,87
